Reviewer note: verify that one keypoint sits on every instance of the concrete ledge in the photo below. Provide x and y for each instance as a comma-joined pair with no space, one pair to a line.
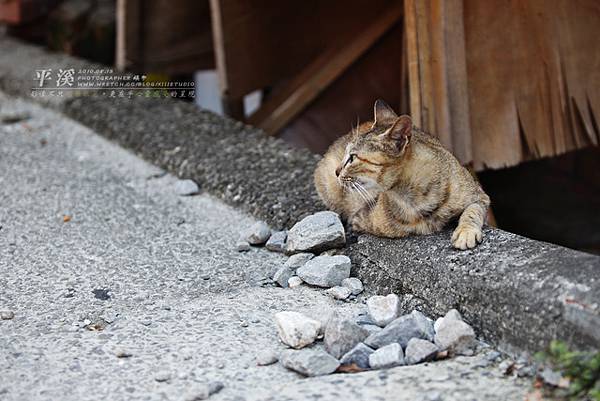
518,293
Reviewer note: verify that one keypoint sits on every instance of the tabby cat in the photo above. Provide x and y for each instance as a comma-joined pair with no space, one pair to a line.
390,179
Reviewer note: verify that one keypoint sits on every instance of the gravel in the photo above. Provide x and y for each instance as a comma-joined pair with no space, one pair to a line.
419,350
162,376
267,357
7,315
203,391
359,355
339,292
325,271
242,246
401,330
383,309
180,292
282,276
316,233
294,282
455,335
299,259
386,357
186,188
277,241
342,334
353,284
257,234
296,330
310,362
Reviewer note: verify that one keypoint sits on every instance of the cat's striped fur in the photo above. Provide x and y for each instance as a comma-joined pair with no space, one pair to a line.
390,179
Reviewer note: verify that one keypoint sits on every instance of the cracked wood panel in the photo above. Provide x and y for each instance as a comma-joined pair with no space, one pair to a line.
533,78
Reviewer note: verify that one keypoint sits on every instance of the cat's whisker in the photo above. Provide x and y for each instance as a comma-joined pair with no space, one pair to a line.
359,192
372,200
364,194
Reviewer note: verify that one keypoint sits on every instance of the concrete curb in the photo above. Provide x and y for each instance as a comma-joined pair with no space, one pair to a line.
517,293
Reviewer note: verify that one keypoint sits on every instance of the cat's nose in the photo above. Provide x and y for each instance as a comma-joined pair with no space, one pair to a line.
338,171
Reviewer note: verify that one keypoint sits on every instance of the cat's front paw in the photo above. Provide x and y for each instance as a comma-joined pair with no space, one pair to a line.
466,237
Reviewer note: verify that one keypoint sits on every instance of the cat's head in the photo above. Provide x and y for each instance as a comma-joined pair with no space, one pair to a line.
375,146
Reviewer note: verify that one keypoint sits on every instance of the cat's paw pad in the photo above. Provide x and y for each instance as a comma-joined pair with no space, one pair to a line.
466,237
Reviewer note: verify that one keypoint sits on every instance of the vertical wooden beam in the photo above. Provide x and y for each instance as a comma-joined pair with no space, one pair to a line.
232,107
412,60
129,49
437,72
423,23
458,90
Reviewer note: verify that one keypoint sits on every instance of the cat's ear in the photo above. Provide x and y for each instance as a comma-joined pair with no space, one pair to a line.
401,132
383,114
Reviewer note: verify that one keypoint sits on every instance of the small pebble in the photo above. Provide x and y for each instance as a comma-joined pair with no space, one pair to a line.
162,376
294,282
258,234
122,353
7,315
186,188
276,242
267,357
339,292
353,284
242,246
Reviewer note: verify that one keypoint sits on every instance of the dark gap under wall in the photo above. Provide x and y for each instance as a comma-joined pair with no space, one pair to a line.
555,200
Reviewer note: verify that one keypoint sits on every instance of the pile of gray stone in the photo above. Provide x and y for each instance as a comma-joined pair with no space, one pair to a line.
308,242
379,338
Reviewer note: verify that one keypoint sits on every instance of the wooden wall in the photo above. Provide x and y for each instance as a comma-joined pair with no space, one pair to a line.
534,78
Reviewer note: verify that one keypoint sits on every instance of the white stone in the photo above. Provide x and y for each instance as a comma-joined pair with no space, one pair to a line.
186,188
455,335
294,282
296,330
353,284
388,356
383,309
267,357
339,292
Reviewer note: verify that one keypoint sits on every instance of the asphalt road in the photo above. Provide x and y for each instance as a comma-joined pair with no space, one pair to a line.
99,258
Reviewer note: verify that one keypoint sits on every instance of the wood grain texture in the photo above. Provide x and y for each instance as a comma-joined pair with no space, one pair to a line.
534,78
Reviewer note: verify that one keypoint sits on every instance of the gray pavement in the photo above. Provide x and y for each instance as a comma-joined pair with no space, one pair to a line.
141,270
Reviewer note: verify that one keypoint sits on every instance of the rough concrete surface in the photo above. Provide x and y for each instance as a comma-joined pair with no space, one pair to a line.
141,295
499,287
518,293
